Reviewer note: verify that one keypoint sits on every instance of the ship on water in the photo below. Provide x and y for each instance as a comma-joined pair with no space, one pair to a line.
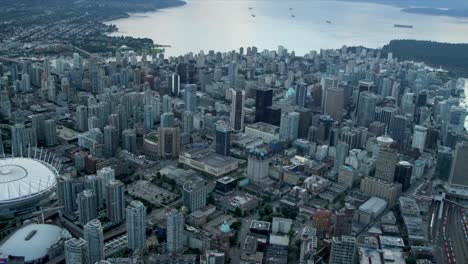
403,26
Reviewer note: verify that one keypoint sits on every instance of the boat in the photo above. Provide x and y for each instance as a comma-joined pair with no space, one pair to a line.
253,15
328,22
402,26
292,15
250,8
290,8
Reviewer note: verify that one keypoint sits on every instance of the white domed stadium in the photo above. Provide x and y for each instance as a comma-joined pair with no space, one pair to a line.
25,183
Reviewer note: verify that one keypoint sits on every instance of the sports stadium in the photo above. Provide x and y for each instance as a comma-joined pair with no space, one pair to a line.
25,185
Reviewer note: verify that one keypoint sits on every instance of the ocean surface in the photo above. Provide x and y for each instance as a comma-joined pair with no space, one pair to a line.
299,25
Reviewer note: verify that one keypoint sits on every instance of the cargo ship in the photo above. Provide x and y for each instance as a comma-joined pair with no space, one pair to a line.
403,26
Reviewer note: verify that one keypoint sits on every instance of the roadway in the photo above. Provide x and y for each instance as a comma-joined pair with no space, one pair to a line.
447,233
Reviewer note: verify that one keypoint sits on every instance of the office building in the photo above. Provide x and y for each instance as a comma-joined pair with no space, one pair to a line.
38,127
76,251
187,122
175,232
167,104
223,135
321,219
111,140
94,238
458,177
334,104
148,117
403,172
385,163
169,142
136,225
106,175
115,202
129,141
301,95
444,162
190,97
366,108
167,119
237,109
380,188
195,194
343,225
343,250
87,209
258,165
385,115
212,257
289,128
398,128
263,99
342,150
305,120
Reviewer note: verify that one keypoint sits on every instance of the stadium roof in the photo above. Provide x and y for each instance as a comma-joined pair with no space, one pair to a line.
21,178
32,241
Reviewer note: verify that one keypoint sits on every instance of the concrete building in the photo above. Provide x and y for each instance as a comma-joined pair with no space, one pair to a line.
175,232
419,138
385,164
195,195
258,165
76,251
237,109
380,188
458,177
115,201
87,209
223,135
334,103
264,131
169,142
369,210
95,240
343,250
136,225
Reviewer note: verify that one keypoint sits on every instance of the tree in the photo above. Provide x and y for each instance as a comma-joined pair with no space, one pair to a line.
238,212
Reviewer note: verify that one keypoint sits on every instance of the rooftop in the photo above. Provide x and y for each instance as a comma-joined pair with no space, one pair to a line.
264,127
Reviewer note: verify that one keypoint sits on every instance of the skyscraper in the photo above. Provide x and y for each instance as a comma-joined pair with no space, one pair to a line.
111,140
342,150
385,164
115,201
92,182
365,109
343,250
167,119
87,209
169,142
398,128
419,138
136,225
237,109
50,128
76,251
129,140
223,142
38,124
167,104
148,117
403,173
18,140
195,195
190,97
458,177
93,236
175,84
106,175
263,99
175,232
301,95
334,104
187,122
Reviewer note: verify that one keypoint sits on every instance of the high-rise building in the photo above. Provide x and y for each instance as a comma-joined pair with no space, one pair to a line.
167,119
136,225
258,165
50,128
289,127
94,238
129,142
169,142
305,120
19,140
87,209
301,95
76,251
237,109
175,232
321,219
366,108
167,104
38,124
81,118
187,122
342,150
326,83
343,250
148,117
111,140
398,128
106,175
175,84
403,173
343,225
385,164
308,245
385,115
190,97
115,201
419,138
263,99
458,177
223,142
334,103
195,195
444,162
92,182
